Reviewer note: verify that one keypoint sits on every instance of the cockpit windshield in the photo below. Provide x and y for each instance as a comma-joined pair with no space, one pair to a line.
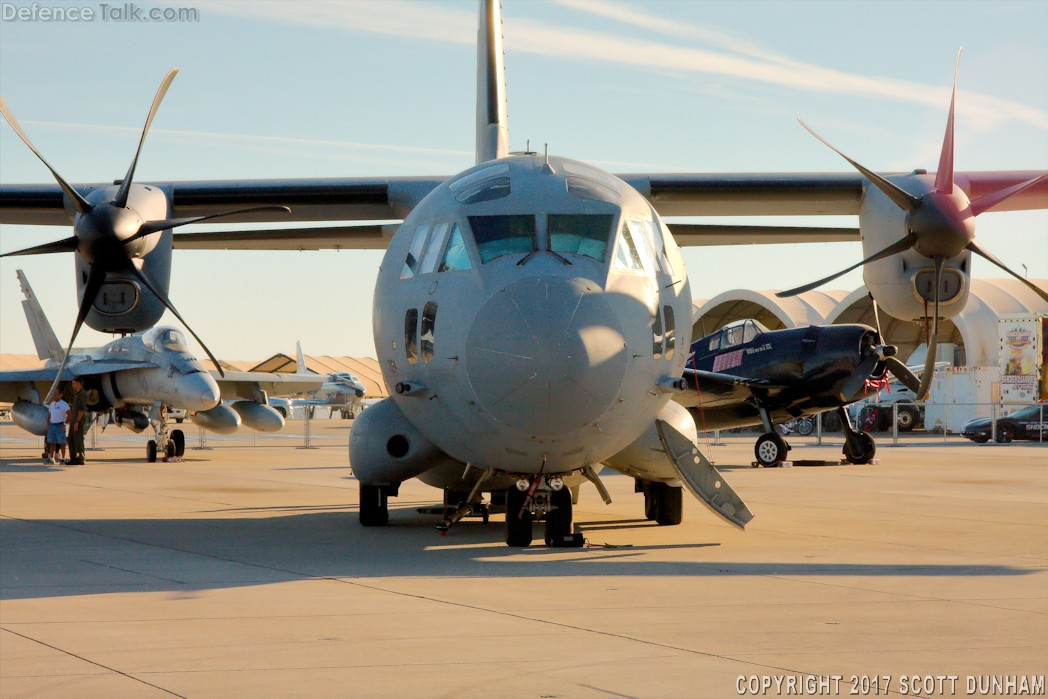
503,235
738,333
165,339
580,234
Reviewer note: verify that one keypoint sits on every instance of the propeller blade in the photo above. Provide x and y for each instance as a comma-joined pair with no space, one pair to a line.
933,341
125,186
74,196
974,247
944,176
903,199
857,381
67,245
95,278
901,245
150,227
156,291
988,201
902,372
876,317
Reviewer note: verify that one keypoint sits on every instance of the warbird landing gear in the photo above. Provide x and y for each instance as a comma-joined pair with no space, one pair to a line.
770,448
859,447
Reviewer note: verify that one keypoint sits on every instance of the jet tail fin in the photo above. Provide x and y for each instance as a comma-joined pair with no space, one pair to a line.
301,366
492,128
47,344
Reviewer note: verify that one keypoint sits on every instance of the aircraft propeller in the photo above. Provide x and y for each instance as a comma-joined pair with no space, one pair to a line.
940,225
105,233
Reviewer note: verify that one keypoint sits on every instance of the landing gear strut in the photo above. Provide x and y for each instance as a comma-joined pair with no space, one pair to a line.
770,448
859,447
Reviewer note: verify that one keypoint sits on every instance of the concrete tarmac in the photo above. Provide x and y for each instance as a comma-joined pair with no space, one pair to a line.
242,571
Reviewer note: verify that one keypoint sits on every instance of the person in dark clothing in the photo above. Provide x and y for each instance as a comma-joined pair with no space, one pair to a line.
77,422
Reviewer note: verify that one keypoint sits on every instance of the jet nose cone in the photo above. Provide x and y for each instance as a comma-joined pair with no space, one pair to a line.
546,355
201,392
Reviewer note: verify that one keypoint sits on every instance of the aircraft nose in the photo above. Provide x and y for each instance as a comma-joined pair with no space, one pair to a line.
546,355
200,392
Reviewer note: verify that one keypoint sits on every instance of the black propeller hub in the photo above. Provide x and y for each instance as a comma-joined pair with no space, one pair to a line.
943,224
101,233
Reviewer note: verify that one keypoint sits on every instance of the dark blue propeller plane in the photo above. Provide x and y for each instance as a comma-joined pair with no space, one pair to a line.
745,374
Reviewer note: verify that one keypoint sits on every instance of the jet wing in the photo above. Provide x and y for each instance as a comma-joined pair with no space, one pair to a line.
248,384
11,382
711,389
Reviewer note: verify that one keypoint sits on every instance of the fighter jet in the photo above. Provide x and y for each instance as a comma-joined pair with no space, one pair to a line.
340,391
744,374
132,379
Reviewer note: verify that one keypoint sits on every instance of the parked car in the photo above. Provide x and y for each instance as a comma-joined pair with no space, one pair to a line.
177,414
1028,423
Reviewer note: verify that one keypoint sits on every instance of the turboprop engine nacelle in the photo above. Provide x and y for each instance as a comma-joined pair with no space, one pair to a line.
904,284
31,417
220,419
258,417
386,449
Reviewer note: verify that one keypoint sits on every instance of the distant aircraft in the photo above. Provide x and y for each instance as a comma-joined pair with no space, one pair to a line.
745,374
132,377
340,391
531,312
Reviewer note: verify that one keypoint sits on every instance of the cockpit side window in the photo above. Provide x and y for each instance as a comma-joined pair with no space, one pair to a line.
626,255
497,236
749,331
455,255
433,248
414,256
580,234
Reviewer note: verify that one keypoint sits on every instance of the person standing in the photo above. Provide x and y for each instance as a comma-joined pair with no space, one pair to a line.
77,422
58,416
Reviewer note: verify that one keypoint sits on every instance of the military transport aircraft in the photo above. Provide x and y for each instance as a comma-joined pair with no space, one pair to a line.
531,313
744,374
131,377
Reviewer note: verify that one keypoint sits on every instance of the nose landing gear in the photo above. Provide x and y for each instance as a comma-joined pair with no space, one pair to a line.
524,507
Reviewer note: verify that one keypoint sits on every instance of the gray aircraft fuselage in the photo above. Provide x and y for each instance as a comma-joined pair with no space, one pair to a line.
520,327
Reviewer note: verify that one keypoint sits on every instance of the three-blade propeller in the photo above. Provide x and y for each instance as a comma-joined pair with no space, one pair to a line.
103,232
939,225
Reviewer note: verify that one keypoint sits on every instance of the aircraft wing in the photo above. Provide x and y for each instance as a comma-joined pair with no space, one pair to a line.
392,198
711,389
248,384
12,382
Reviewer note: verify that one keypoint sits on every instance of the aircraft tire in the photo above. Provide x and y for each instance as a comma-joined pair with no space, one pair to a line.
178,438
650,506
518,528
169,451
558,519
151,451
374,506
1005,434
860,449
669,504
770,449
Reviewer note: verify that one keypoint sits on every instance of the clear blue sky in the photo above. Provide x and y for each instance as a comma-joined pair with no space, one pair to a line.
270,90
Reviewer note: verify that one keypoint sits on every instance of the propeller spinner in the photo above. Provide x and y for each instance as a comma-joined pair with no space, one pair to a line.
111,235
939,225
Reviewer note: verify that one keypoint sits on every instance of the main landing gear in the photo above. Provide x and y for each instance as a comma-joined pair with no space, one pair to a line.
770,448
663,503
859,447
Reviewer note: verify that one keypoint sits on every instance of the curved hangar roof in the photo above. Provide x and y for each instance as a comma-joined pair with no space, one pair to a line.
974,330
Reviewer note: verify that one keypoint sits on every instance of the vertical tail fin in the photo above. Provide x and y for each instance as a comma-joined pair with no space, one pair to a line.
301,368
492,128
47,344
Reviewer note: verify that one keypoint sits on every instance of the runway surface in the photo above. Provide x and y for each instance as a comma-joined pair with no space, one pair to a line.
242,571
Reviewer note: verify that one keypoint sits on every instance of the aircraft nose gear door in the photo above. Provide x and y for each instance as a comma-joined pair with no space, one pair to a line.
701,478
